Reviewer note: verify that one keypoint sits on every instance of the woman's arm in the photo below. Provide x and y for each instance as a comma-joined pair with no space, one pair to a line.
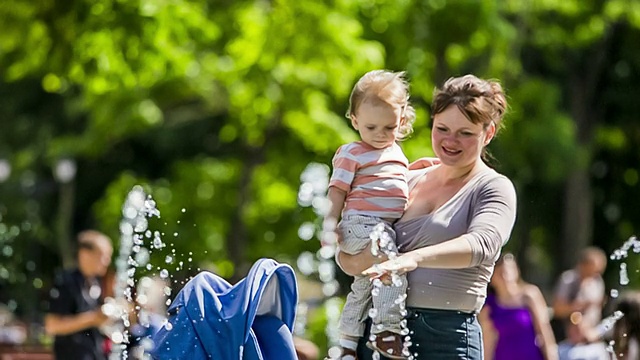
540,317
489,333
452,254
355,264
493,216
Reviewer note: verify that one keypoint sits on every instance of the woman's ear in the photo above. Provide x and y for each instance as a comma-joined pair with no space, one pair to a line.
490,133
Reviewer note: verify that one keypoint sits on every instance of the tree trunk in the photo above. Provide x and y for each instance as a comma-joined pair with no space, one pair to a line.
237,239
583,90
64,222
578,217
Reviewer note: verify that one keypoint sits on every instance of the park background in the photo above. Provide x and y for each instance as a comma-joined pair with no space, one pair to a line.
217,107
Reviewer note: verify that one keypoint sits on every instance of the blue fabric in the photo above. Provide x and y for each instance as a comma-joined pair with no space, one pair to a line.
251,320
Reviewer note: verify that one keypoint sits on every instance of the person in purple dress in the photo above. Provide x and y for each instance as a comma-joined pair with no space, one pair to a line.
514,319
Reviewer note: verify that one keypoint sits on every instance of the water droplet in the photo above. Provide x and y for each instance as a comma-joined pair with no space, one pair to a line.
373,312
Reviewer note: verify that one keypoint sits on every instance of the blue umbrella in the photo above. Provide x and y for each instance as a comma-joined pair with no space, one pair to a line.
251,320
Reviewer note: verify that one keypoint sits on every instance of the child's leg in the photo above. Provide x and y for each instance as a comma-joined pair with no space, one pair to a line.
390,297
355,310
389,303
355,238
388,308
386,327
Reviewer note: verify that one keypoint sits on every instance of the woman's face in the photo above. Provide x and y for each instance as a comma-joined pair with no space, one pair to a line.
457,141
506,271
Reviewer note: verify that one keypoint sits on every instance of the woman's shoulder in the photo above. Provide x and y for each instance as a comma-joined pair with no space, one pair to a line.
491,176
494,183
532,294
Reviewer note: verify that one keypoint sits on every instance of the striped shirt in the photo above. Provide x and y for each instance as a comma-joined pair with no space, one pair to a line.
375,180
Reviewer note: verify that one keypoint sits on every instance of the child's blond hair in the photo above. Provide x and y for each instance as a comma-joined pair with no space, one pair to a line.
384,87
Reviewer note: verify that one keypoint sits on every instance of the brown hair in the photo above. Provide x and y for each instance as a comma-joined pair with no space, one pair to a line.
384,87
481,101
593,254
629,326
92,239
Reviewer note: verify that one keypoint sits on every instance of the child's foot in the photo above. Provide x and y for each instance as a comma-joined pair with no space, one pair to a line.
347,354
388,344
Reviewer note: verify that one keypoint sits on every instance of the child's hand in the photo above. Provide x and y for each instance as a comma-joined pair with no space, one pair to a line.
424,162
330,238
330,234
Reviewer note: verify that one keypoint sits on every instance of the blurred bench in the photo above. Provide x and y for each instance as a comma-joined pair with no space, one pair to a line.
23,356
16,352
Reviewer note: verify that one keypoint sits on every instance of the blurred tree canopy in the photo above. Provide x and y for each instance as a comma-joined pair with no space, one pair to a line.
217,107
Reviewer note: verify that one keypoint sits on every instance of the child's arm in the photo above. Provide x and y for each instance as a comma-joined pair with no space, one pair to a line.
337,197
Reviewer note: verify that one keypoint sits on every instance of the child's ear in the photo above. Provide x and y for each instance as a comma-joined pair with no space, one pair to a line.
354,122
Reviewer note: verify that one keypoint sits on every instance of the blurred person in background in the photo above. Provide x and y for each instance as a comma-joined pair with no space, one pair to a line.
579,296
74,314
577,307
515,319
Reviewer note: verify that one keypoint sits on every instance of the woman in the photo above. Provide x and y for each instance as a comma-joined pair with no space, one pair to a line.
514,319
460,213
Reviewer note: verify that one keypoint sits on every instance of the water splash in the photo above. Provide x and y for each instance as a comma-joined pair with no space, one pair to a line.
607,323
383,245
138,207
312,193
632,244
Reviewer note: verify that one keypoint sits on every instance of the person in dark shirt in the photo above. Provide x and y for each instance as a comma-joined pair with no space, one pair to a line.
74,314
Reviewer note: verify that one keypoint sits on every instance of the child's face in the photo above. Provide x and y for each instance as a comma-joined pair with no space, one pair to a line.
377,124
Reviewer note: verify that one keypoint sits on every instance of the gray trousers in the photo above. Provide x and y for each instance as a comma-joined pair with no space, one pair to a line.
356,230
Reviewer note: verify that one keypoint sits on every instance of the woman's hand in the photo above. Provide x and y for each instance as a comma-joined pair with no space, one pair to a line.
400,265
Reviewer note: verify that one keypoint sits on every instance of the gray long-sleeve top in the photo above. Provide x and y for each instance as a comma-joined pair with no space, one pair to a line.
483,212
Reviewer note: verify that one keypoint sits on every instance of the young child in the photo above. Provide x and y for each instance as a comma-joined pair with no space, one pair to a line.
368,189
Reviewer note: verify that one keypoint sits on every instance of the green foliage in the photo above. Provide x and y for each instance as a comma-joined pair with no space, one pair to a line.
549,152
217,108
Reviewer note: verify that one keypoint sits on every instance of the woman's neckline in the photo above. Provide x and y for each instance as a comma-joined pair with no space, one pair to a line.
512,301
456,195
